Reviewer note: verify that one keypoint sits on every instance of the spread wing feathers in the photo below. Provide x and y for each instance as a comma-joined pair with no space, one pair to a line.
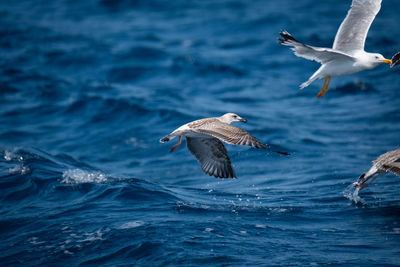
231,135
318,54
388,157
395,60
212,156
353,31
392,167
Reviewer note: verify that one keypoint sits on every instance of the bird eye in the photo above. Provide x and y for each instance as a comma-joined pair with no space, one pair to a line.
376,57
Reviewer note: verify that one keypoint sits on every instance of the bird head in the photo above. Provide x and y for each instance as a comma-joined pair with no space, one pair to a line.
360,182
378,58
231,117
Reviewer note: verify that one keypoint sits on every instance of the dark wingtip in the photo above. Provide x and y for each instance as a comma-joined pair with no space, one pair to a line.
282,153
395,60
286,37
266,147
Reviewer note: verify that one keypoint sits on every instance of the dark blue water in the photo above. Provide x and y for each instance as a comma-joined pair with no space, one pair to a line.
87,88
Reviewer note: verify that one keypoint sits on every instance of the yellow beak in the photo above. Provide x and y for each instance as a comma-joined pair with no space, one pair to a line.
388,61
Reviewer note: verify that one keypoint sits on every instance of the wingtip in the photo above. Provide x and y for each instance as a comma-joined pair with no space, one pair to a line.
266,147
282,153
287,38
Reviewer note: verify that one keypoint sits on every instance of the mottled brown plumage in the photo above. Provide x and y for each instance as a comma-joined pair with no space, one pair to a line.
204,140
388,162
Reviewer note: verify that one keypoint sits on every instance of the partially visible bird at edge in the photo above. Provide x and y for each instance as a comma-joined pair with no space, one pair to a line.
388,162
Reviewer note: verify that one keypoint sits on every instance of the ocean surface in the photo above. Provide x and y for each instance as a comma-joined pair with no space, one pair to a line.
87,89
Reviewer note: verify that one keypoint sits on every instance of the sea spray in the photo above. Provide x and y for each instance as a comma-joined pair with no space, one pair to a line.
351,193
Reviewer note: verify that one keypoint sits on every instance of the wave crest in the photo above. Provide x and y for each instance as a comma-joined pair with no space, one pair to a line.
79,176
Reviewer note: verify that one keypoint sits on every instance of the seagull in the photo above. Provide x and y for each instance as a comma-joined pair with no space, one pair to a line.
347,56
204,140
388,162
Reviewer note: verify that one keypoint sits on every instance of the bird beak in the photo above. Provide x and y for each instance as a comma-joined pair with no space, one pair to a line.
360,180
387,61
243,120
361,183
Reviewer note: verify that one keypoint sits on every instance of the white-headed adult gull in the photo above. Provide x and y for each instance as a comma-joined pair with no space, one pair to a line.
347,56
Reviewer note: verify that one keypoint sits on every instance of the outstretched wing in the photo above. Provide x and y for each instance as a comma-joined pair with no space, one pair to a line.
389,161
319,54
393,167
231,135
212,156
353,31
395,60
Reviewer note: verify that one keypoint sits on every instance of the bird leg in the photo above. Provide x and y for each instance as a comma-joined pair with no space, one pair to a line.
175,147
325,87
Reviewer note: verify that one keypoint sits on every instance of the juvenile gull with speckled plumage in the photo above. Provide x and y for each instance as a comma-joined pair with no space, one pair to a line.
204,140
388,162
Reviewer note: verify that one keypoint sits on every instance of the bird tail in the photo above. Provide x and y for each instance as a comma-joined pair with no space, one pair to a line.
307,83
313,77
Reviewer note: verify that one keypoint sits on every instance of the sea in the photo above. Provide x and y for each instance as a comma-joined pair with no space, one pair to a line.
87,89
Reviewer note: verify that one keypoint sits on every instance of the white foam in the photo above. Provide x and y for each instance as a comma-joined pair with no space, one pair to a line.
8,155
351,193
78,176
130,225
90,237
21,169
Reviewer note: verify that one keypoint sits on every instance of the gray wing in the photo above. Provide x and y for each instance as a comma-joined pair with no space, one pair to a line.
212,156
318,54
230,134
353,31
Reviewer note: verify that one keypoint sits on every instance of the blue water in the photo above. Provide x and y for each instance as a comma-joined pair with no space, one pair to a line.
87,88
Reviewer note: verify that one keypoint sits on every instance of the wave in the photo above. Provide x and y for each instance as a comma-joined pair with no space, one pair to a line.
28,173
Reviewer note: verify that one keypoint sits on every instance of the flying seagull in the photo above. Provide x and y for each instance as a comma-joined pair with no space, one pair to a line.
204,140
347,56
388,162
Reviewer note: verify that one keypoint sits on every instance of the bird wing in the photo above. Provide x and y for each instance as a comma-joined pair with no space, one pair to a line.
230,134
318,54
395,60
353,31
212,156
393,167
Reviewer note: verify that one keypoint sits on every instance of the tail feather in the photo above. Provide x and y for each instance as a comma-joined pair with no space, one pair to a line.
316,75
308,82
305,84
